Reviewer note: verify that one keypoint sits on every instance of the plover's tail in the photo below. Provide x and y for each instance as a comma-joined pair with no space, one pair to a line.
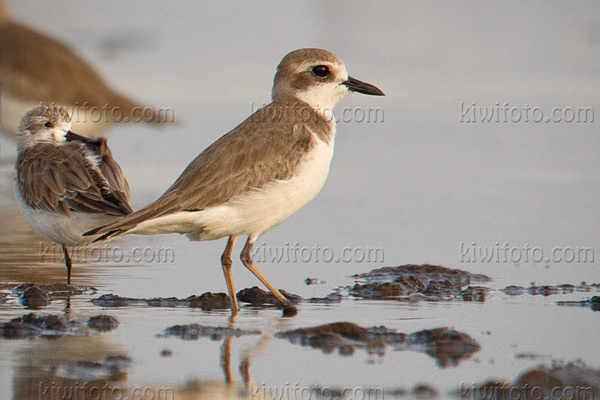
129,222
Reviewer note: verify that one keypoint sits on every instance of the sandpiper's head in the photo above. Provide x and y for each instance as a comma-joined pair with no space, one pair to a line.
44,124
317,77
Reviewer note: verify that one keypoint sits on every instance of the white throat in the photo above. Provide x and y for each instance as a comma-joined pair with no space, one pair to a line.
324,98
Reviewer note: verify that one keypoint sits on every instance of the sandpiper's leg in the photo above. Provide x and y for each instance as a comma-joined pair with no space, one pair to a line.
226,263
246,257
68,263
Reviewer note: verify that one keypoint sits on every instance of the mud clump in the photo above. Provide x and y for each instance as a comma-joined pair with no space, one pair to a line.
446,345
34,298
55,290
206,301
542,382
402,286
425,391
474,293
425,273
111,300
257,297
195,331
593,303
165,353
31,326
419,282
102,323
413,289
343,336
548,290
329,299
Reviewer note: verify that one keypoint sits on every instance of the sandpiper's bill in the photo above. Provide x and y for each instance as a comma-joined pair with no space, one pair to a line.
260,173
66,184
36,68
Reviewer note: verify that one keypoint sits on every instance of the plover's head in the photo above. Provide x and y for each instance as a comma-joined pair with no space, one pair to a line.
317,77
44,124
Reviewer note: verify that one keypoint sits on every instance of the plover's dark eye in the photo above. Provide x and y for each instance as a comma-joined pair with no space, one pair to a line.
48,125
321,71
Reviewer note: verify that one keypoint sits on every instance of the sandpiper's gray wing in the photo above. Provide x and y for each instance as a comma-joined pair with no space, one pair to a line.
62,179
266,147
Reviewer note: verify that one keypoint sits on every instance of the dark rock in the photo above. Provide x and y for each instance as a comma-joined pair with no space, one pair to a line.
257,297
34,297
513,290
424,391
111,300
30,326
166,353
55,290
103,323
16,329
593,303
207,301
474,293
210,301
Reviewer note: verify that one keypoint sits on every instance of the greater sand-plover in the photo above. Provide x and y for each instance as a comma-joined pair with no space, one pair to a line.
260,173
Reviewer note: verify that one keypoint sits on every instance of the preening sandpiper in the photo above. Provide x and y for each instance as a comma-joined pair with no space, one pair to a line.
66,184
35,69
260,173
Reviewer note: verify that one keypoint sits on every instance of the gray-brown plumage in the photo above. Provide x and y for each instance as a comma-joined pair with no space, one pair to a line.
65,183
65,179
267,146
260,173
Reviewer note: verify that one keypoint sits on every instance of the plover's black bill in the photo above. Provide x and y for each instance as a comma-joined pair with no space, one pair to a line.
355,85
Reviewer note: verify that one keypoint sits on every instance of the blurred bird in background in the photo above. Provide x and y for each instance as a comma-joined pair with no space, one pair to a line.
35,69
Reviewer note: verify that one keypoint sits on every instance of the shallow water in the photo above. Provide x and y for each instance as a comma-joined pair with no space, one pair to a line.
416,185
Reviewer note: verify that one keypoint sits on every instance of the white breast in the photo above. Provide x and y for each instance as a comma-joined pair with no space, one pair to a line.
254,212
59,228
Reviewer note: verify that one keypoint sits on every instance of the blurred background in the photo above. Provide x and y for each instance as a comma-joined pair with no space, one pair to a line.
416,183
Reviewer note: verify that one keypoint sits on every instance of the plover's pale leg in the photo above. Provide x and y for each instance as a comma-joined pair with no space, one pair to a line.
226,263
68,263
288,308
